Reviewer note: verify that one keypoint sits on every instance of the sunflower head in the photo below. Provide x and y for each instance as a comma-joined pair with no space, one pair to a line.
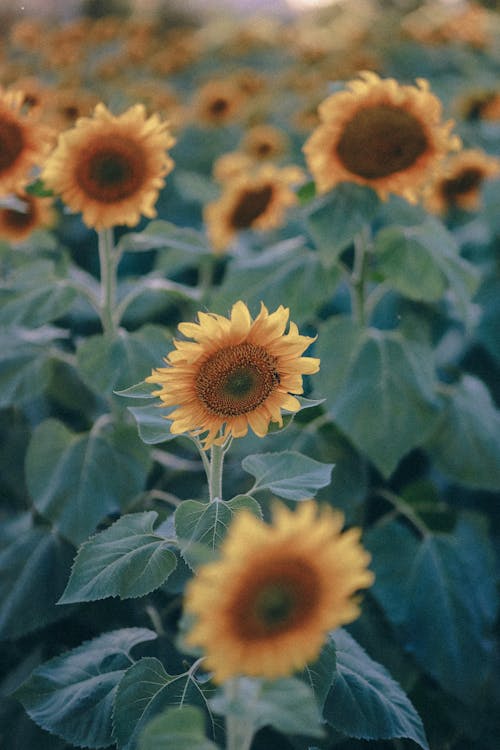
262,142
24,142
381,134
256,198
265,607
111,168
218,103
233,374
17,223
460,182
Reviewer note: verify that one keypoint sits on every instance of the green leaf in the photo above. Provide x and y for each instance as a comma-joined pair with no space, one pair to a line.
287,705
77,479
466,443
365,702
204,525
38,189
287,271
195,187
26,368
153,425
320,674
34,295
139,390
335,219
287,474
128,559
445,584
179,728
72,695
422,261
381,389
145,690
34,563
107,366
162,235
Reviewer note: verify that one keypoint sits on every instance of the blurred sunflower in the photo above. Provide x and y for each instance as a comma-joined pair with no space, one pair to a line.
218,103
237,373
459,185
24,142
381,134
17,223
265,608
480,105
255,199
111,168
265,141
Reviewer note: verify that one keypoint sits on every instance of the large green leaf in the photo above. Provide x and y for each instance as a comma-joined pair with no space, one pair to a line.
179,728
423,261
466,443
34,564
76,479
380,389
128,559
145,690
439,593
152,423
365,702
163,235
320,674
338,217
107,365
26,367
204,525
72,695
287,705
288,474
34,295
286,273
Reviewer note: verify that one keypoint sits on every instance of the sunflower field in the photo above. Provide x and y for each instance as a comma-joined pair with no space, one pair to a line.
250,376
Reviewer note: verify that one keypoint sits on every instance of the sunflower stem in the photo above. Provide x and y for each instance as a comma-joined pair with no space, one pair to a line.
108,264
239,733
217,453
358,277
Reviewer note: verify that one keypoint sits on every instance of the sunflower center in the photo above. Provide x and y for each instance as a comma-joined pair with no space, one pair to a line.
11,143
111,169
467,180
219,106
236,379
280,597
381,140
251,205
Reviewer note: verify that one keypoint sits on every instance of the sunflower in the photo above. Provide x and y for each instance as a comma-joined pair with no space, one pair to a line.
218,102
480,105
24,142
236,373
265,141
254,199
459,184
264,609
17,224
381,134
111,168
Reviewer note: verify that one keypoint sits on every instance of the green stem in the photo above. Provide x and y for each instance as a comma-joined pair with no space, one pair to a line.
217,453
239,733
358,278
108,260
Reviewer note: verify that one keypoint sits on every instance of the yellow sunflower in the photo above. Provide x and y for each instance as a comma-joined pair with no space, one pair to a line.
381,134
265,141
236,373
17,224
24,142
218,102
111,168
459,184
254,199
264,609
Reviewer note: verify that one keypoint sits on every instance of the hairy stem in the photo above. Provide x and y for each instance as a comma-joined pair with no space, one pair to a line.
108,266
